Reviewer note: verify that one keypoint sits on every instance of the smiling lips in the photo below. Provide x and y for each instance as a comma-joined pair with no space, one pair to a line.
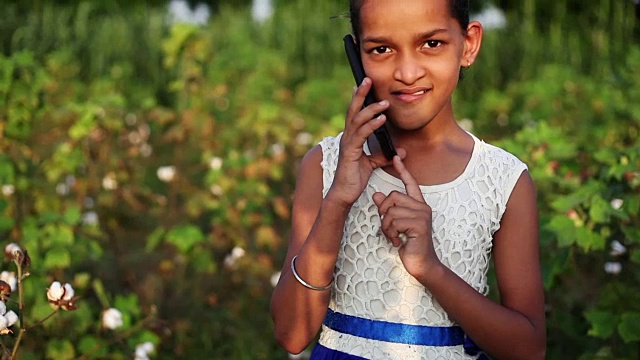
410,95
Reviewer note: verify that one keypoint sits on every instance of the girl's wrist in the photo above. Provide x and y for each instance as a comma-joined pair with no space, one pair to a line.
334,202
431,274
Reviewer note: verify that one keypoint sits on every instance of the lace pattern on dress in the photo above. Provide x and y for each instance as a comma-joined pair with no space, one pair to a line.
370,280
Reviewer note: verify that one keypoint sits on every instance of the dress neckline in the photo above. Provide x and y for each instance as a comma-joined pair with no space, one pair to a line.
385,176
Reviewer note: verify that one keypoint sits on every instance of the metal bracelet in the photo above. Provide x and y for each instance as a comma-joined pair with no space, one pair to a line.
304,283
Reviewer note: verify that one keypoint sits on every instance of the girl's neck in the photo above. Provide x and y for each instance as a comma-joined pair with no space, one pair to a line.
440,131
435,156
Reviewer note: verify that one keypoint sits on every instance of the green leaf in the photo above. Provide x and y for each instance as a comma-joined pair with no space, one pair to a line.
72,215
49,217
92,346
554,266
564,228
58,349
83,318
203,262
57,258
41,309
7,174
603,323
580,196
185,237
101,293
81,280
173,45
600,209
6,223
590,240
84,125
127,304
631,233
144,336
629,327
632,204
154,239
60,235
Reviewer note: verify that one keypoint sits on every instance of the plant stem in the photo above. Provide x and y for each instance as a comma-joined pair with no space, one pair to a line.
20,296
17,344
23,330
43,319
23,326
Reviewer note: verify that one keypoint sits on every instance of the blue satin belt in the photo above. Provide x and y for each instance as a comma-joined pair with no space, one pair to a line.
400,333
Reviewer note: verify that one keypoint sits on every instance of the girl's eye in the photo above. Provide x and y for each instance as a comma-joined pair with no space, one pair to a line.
432,43
380,50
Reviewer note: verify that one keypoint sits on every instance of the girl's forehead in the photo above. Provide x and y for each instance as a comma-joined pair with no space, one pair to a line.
401,14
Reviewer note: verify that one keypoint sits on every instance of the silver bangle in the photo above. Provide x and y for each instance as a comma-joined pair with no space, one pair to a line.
304,283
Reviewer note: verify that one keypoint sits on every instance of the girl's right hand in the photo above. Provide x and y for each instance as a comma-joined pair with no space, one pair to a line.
354,166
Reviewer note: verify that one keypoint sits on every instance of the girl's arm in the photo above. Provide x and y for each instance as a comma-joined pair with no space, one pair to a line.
317,226
515,328
512,329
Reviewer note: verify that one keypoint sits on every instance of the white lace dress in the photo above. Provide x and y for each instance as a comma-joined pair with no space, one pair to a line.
370,280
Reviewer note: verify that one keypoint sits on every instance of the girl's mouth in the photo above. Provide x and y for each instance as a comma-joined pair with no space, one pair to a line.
410,95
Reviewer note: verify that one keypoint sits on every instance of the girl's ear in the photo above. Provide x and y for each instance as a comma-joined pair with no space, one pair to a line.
472,42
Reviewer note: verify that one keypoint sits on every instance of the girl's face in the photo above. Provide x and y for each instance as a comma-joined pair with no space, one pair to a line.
413,51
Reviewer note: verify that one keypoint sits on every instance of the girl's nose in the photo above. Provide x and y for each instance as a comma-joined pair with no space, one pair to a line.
408,69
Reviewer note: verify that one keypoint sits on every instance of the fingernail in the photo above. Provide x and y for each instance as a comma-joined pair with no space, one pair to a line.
383,103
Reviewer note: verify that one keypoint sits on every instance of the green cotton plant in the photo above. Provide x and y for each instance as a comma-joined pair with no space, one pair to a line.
48,206
141,161
582,145
60,297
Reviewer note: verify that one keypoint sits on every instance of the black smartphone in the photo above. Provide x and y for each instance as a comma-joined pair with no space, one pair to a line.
382,134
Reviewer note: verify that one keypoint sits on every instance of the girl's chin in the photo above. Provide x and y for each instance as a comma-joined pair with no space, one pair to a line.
407,122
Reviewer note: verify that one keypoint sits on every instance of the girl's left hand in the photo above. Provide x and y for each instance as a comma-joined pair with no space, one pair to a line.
408,217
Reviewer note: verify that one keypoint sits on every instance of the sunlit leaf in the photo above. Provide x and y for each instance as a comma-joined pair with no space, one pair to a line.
57,258
600,209
72,215
154,239
589,240
564,229
185,237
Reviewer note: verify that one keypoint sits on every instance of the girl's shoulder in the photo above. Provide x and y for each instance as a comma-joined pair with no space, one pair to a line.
499,156
500,169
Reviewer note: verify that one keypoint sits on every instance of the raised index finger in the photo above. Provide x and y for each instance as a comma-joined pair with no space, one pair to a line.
410,183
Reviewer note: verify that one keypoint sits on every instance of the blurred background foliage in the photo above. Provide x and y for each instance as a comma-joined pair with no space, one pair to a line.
150,163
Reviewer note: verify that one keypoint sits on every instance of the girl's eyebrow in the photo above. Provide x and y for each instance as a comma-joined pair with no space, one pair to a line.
384,40
432,33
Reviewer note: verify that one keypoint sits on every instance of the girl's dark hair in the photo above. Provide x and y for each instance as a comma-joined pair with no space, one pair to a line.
459,10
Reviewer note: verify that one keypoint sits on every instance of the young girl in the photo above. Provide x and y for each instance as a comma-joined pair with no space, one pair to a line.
390,258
